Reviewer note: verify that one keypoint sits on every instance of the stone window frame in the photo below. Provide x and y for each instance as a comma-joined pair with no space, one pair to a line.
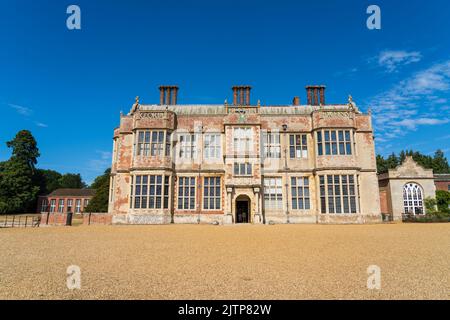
330,142
302,146
157,199
332,196
191,197
412,202
303,198
244,169
271,142
217,194
273,197
187,145
149,143
212,150
242,136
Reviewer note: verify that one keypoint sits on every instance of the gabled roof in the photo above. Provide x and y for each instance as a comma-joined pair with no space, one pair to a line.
72,193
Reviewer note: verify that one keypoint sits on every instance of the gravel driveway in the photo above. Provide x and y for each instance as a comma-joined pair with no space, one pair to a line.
227,262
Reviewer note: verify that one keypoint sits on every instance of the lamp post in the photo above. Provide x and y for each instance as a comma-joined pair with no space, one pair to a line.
286,185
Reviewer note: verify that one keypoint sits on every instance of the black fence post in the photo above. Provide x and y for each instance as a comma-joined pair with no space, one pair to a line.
69,219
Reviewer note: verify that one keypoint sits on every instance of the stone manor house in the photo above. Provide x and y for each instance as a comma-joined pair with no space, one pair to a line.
240,162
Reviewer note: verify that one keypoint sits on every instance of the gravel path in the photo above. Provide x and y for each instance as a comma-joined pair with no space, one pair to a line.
227,262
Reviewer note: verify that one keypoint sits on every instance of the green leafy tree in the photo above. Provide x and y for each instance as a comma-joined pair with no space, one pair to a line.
99,202
71,180
430,205
440,163
381,164
47,180
17,188
443,201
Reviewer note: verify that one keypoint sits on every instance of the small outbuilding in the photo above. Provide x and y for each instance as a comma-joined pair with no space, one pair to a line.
403,190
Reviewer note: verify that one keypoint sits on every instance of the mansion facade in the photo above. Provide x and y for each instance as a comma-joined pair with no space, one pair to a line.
239,162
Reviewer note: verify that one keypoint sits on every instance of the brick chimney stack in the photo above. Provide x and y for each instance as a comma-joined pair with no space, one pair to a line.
241,95
315,95
168,95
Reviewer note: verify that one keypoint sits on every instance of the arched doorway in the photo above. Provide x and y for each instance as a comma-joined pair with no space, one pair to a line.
243,209
413,198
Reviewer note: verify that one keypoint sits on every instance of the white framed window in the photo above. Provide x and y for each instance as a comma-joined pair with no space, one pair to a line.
212,194
61,205
300,193
86,203
69,205
271,145
150,192
338,194
243,140
186,193
77,205
298,146
212,148
52,205
242,169
413,198
44,205
151,143
273,193
334,142
188,146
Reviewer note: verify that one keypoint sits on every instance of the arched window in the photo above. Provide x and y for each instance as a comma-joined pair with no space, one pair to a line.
413,198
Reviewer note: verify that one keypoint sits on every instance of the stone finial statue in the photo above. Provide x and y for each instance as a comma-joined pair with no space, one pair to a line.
259,103
225,102
351,103
135,105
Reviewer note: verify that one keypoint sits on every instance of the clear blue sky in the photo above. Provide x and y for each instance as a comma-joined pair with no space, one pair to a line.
68,87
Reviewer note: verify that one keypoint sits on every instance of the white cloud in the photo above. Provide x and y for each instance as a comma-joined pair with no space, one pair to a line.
24,111
408,105
393,59
40,124
101,162
412,124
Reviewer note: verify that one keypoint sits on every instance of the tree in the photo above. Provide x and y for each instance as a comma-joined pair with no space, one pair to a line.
17,189
99,202
443,200
47,180
24,148
71,180
440,163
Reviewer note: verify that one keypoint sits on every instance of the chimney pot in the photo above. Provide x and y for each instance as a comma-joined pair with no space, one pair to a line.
316,95
168,95
241,95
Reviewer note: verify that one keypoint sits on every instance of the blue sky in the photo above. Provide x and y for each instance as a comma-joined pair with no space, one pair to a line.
69,86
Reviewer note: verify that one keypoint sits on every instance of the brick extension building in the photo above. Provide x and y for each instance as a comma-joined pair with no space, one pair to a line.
65,200
244,163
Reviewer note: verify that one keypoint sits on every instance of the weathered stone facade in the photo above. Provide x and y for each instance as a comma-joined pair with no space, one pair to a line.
240,162
403,190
